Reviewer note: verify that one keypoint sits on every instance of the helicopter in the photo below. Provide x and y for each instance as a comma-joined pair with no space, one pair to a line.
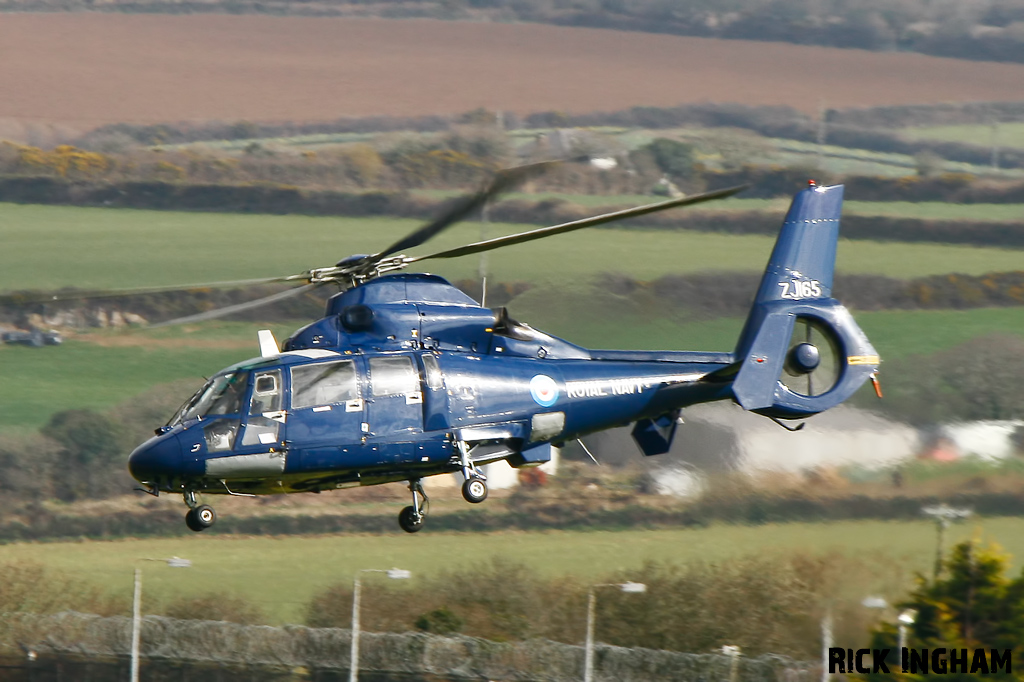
406,377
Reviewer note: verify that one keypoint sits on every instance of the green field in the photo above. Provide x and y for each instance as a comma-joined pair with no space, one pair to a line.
281,574
925,210
1006,134
48,247
746,145
85,374
894,333
80,374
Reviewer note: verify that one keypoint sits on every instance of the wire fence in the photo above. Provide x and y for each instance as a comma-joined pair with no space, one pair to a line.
168,641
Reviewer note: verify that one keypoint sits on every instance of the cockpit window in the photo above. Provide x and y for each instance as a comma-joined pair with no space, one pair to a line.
323,384
222,395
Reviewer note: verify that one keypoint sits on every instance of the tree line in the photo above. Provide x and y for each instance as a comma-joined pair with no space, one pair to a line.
989,31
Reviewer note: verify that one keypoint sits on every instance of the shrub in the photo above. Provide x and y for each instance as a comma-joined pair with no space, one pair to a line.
92,456
216,606
440,621
673,157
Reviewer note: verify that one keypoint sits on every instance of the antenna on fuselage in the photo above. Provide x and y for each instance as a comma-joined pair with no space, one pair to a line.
587,450
268,344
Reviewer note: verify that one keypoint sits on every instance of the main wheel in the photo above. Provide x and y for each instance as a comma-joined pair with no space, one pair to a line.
474,490
408,521
193,523
204,516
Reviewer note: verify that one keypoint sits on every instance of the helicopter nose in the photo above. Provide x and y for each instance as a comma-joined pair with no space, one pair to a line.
157,458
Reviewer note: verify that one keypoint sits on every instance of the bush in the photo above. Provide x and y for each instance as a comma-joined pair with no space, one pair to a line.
31,588
978,379
440,621
93,455
673,158
216,606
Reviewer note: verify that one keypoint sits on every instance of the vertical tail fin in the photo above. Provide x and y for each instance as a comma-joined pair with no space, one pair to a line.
805,251
802,264
800,351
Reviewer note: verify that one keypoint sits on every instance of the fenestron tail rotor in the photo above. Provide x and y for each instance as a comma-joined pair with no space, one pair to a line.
813,360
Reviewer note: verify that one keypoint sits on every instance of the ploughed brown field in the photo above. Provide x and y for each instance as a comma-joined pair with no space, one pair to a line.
87,69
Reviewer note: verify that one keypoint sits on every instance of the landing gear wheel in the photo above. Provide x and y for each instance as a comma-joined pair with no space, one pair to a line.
408,520
200,518
191,521
474,490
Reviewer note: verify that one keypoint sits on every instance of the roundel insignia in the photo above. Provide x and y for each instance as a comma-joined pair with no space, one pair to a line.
544,390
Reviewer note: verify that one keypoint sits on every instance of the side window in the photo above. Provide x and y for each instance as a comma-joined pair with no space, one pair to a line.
393,376
266,398
220,435
433,372
322,384
266,392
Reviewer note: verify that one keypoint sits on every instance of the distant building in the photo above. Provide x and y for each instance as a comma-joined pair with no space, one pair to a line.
988,439
722,437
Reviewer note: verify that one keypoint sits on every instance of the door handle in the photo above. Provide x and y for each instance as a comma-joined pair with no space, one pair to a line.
355,405
278,416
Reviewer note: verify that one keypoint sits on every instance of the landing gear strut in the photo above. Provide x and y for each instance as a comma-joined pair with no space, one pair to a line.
474,490
411,518
199,516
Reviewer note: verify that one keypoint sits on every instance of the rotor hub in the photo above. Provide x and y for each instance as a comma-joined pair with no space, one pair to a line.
805,357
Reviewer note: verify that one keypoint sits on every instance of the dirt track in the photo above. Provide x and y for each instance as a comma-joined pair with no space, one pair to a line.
88,69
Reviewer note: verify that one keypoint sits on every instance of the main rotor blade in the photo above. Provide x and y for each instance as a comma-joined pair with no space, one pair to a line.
503,181
540,233
238,307
40,297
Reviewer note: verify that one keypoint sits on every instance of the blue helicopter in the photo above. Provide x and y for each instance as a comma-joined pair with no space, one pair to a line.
407,377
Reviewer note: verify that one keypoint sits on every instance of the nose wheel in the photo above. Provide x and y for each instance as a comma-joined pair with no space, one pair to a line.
199,516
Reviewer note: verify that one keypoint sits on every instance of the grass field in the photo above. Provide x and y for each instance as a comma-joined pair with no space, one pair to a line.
281,574
99,371
90,375
925,210
894,333
49,246
1006,134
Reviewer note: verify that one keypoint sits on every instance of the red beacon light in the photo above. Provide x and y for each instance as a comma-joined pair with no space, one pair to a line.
812,183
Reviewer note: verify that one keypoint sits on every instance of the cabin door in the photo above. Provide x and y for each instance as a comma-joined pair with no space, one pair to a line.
395,402
327,417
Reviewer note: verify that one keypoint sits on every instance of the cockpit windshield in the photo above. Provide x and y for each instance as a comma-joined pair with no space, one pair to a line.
222,394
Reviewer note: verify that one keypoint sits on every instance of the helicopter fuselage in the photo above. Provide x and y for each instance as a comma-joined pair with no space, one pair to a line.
389,399
406,377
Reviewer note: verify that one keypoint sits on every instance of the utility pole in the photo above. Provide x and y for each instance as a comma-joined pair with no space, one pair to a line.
826,642
822,133
173,562
995,145
357,588
629,587
484,221
136,624
944,515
